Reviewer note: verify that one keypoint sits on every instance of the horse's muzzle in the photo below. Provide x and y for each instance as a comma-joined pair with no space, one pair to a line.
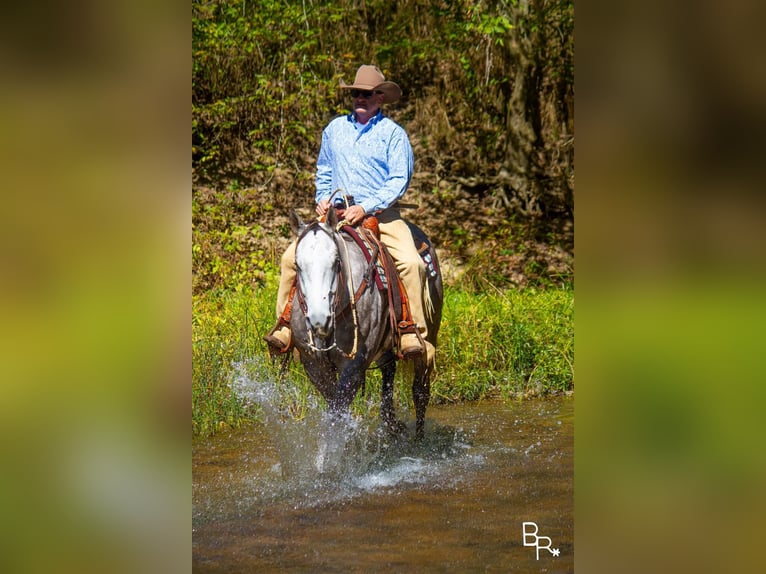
320,329
321,332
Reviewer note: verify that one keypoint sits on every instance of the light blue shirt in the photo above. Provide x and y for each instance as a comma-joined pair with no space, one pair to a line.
372,162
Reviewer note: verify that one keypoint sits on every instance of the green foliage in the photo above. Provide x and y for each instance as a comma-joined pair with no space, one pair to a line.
226,330
226,246
260,76
508,343
265,75
488,90
511,342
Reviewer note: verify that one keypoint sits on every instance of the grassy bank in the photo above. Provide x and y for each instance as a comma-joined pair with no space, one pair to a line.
511,344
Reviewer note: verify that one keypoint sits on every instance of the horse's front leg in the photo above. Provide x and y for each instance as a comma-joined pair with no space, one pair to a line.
421,393
351,378
387,364
322,374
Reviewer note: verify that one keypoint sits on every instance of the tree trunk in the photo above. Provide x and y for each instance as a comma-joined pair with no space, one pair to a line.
522,121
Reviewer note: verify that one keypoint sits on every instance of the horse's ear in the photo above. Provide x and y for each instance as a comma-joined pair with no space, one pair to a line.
332,217
296,223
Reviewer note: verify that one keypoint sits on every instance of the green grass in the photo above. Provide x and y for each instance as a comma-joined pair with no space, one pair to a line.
509,344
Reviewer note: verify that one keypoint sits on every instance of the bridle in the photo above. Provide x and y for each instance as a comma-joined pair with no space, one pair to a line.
342,270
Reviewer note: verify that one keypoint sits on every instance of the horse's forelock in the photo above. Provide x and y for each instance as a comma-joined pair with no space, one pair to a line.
315,243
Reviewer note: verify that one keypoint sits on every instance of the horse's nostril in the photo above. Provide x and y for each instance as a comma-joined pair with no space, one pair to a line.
320,328
326,327
322,332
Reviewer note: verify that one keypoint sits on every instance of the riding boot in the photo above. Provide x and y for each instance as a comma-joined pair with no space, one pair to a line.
411,343
279,338
397,237
410,346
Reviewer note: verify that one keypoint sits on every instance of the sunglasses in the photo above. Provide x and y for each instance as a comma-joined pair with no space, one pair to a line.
366,94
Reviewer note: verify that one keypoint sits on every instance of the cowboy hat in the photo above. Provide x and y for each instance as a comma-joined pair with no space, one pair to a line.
371,78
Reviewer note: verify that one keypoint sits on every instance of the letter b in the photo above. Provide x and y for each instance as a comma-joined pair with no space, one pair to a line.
528,534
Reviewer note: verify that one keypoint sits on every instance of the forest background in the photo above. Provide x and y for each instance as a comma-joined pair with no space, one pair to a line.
488,103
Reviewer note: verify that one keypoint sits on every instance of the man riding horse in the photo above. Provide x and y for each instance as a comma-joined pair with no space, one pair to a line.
368,156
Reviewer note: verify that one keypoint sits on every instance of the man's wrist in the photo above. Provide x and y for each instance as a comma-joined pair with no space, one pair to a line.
367,208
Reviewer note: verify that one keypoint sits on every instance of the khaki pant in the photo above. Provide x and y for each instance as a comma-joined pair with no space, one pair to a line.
396,236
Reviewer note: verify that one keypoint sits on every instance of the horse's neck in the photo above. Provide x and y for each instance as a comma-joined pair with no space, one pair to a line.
351,257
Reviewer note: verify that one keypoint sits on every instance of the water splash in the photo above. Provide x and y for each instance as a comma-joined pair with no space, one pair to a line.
325,457
316,446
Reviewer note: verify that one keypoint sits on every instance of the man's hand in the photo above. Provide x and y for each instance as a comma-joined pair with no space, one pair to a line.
354,214
322,207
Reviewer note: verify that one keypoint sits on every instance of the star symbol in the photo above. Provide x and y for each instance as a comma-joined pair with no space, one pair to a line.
555,551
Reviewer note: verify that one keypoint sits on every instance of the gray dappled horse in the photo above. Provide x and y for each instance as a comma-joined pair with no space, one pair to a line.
340,331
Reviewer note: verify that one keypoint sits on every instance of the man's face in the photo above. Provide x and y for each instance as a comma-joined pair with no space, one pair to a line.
366,103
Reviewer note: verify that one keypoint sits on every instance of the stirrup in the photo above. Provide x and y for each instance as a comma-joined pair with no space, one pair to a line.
412,352
275,344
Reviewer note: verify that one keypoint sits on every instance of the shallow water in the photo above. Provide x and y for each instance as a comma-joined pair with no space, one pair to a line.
320,495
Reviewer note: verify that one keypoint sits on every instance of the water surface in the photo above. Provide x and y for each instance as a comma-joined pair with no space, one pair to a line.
337,496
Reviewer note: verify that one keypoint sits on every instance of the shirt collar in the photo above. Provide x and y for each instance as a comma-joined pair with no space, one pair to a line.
373,120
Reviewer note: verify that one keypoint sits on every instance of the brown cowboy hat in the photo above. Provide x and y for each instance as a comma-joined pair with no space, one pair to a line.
371,78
